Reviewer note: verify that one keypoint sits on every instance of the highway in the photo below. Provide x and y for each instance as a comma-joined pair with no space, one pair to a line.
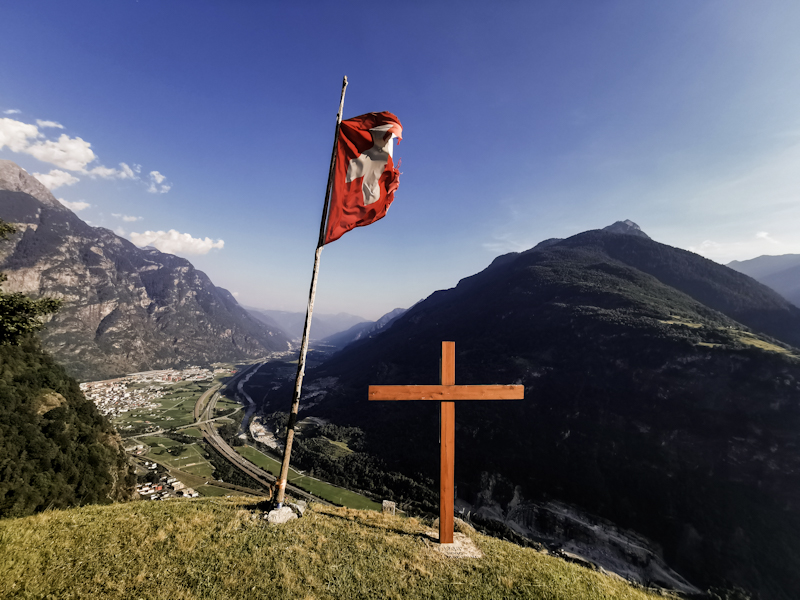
203,411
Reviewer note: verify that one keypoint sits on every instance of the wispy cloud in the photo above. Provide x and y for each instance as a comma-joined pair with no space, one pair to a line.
760,243
12,111
55,179
69,154
126,218
124,172
51,124
157,185
75,206
174,242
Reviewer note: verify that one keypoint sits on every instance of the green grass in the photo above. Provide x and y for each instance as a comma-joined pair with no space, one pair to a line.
323,490
337,449
213,548
192,432
176,410
751,340
214,491
154,441
192,459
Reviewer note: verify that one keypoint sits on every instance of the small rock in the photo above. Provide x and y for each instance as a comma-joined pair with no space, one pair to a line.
297,508
281,515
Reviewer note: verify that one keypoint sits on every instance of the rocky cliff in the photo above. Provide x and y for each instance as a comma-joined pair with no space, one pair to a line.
125,309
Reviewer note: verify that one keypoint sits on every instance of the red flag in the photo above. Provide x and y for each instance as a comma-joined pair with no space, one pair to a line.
365,178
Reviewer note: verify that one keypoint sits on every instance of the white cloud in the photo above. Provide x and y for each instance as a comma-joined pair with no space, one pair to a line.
763,235
174,242
124,172
12,111
235,294
759,244
16,134
55,179
74,206
119,231
156,183
52,124
127,218
68,153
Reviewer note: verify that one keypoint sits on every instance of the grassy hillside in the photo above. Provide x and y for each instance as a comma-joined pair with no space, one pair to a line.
215,548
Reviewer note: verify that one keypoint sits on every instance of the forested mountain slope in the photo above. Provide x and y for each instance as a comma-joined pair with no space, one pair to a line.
660,393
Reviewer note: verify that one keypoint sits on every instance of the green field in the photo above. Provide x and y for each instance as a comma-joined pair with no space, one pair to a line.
191,458
192,432
323,490
173,412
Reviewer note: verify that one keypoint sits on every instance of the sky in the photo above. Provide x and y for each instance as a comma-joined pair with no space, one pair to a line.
205,129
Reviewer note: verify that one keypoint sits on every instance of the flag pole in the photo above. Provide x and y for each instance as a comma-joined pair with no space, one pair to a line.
301,364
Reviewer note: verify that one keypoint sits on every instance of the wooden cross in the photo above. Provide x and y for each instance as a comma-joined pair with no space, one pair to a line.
446,393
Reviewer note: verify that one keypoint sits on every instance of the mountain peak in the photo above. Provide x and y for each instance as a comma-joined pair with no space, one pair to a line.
626,227
16,179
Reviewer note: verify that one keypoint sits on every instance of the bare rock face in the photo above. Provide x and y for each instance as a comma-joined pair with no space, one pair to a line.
125,309
15,179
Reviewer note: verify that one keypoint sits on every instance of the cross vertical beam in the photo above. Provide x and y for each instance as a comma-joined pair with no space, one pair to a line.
446,393
447,446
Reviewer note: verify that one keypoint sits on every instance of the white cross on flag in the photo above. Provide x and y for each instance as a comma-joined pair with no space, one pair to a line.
365,177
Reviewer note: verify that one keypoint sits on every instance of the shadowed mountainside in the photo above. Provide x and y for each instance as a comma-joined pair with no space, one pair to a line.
781,273
655,398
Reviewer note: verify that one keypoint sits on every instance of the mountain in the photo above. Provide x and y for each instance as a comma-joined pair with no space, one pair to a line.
125,309
781,273
322,325
56,449
662,394
362,331
626,227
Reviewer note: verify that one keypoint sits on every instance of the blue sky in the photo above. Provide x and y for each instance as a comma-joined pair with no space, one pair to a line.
522,121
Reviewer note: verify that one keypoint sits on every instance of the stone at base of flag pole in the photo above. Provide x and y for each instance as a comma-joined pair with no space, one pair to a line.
284,514
287,512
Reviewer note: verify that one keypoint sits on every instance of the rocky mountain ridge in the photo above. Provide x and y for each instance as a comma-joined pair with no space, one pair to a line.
125,309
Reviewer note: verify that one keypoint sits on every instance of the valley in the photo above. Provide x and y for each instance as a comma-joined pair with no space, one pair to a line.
179,420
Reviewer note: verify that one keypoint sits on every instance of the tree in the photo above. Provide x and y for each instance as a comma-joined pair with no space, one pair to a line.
20,315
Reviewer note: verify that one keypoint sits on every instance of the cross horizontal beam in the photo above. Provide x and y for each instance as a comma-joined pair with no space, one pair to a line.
446,392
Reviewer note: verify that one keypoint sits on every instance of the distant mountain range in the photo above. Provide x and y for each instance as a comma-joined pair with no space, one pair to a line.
125,309
363,331
781,273
662,392
322,325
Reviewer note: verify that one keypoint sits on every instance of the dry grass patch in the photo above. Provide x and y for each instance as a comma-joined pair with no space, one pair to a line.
215,548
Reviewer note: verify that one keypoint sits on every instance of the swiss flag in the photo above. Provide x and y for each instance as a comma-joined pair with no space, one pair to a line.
365,177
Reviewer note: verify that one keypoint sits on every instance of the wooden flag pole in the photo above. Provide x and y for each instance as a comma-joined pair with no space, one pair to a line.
301,365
